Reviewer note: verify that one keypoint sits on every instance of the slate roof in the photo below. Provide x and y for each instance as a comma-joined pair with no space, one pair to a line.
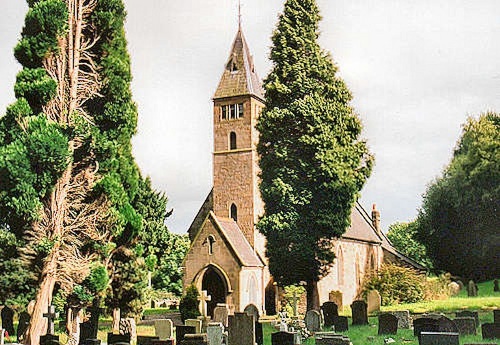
237,241
361,228
239,77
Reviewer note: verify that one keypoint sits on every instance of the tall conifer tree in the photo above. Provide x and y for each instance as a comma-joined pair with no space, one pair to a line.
313,164
67,175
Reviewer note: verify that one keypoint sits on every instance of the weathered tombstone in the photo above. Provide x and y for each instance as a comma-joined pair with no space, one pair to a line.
215,333
387,324
330,310
22,327
466,313
490,330
424,324
373,301
204,298
446,325
128,326
336,297
461,284
181,331
164,329
465,325
282,338
439,338
471,289
194,339
254,311
340,323
496,288
332,339
49,339
163,342
118,339
241,329
89,329
359,313
7,315
221,314
196,323
146,340
453,288
496,316
313,321
404,318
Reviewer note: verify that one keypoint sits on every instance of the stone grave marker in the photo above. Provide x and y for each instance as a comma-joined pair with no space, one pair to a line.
146,340
471,289
490,330
387,324
7,315
89,328
118,339
453,288
330,310
496,288
181,331
337,298
439,338
467,313
50,338
282,338
465,325
22,327
424,324
204,298
163,342
313,321
359,312
221,314
373,301
127,326
194,339
215,333
340,323
446,325
241,329
164,329
404,318
196,323
332,339
259,334
496,316
461,284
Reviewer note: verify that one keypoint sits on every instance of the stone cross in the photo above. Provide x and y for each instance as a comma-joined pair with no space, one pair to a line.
204,298
295,299
51,316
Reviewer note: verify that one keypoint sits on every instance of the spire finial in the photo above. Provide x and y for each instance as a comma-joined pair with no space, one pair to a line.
239,14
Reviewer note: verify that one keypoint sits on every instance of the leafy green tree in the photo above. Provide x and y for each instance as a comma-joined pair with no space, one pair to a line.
188,306
402,236
458,222
313,164
67,175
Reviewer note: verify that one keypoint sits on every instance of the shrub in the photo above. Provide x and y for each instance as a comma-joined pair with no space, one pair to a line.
436,288
188,306
396,284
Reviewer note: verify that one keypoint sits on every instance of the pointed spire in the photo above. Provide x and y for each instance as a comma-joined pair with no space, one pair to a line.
239,77
239,14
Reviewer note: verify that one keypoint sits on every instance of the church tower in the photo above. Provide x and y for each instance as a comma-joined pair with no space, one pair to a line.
238,102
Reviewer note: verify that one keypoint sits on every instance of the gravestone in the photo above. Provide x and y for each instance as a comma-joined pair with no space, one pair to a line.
373,301
196,323
466,313
164,329
471,289
330,310
340,323
359,313
313,321
89,328
118,339
215,333
404,319
7,315
181,331
194,339
337,298
496,288
241,329
496,316
163,342
49,339
446,325
22,327
461,284
128,326
424,324
282,338
221,314
259,334
146,340
465,325
453,288
490,330
387,324
332,339
204,298
439,338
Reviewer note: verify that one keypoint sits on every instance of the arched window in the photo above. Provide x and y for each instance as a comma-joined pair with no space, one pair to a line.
234,212
210,241
232,141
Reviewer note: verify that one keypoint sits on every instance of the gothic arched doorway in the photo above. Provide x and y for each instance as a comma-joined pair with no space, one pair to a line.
215,285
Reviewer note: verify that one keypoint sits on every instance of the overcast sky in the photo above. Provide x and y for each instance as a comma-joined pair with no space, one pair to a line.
417,70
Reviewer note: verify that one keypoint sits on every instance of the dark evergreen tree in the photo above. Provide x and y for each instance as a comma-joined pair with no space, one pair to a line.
402,237
313,164
459,219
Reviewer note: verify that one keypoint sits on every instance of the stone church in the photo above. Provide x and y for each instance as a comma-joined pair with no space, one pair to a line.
227,253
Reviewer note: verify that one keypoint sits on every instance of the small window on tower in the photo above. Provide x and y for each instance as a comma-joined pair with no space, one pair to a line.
239,110
224,111
232,141
234,212
210,241
232,110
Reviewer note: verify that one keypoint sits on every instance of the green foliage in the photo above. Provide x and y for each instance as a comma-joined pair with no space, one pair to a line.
97,280
35,86
313,164
188,307
402,237
396,285
457,222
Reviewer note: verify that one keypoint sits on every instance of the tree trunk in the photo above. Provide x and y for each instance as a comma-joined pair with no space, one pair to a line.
73,326
312,295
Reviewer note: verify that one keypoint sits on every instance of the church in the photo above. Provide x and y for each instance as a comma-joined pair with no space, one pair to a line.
227,253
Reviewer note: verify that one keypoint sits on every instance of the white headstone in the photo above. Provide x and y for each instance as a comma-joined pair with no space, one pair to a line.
373,300
164,329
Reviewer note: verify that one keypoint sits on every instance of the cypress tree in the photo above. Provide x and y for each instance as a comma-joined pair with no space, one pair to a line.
67,175
313,164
